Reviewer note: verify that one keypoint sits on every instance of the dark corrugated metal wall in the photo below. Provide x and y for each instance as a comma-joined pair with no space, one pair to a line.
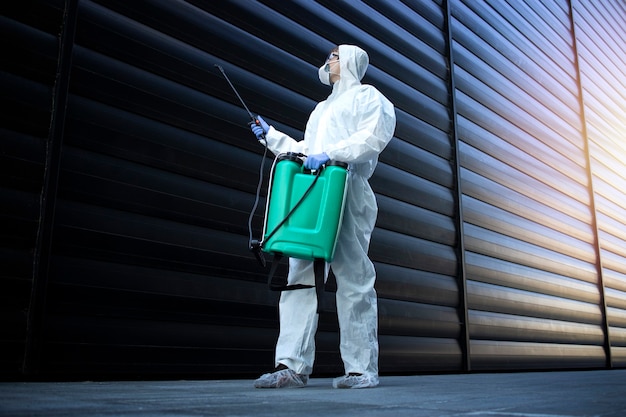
28,72
144,223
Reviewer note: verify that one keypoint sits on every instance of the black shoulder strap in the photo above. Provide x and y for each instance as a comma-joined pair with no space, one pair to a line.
319,266
319,269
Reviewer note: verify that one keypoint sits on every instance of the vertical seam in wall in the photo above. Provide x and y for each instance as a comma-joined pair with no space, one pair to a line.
43,245
592,203
461,275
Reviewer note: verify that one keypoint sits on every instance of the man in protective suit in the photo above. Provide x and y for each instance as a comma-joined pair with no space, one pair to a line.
353,125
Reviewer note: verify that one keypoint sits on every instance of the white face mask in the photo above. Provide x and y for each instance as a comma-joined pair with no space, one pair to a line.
324,73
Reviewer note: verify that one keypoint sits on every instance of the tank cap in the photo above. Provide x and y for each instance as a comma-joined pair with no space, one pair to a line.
290,156
337,163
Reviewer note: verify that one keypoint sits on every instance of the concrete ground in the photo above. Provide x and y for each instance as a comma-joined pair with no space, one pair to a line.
532,394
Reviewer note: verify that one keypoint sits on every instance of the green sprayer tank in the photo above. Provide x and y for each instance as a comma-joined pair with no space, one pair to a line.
311,230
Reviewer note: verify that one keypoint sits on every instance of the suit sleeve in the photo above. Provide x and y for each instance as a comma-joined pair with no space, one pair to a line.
374,119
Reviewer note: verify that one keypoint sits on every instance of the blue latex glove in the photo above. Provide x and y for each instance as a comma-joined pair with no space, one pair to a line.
316,161
260,129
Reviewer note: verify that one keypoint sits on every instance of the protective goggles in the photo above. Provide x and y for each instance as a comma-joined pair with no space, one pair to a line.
332,55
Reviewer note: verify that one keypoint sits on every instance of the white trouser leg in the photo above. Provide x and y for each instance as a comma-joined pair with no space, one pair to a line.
357,311
298,320
357,305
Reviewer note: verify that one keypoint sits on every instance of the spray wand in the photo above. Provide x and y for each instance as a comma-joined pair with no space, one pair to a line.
253,244
254,121
256,245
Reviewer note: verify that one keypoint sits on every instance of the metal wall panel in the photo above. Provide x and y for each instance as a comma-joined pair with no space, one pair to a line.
159,172
520,133
30,48
601,48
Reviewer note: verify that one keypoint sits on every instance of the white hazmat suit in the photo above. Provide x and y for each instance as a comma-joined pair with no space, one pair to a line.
353,125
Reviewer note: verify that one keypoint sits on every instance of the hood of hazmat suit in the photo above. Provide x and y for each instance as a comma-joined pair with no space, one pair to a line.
353,125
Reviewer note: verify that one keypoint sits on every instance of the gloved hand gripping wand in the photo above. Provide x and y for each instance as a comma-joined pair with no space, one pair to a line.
253,244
